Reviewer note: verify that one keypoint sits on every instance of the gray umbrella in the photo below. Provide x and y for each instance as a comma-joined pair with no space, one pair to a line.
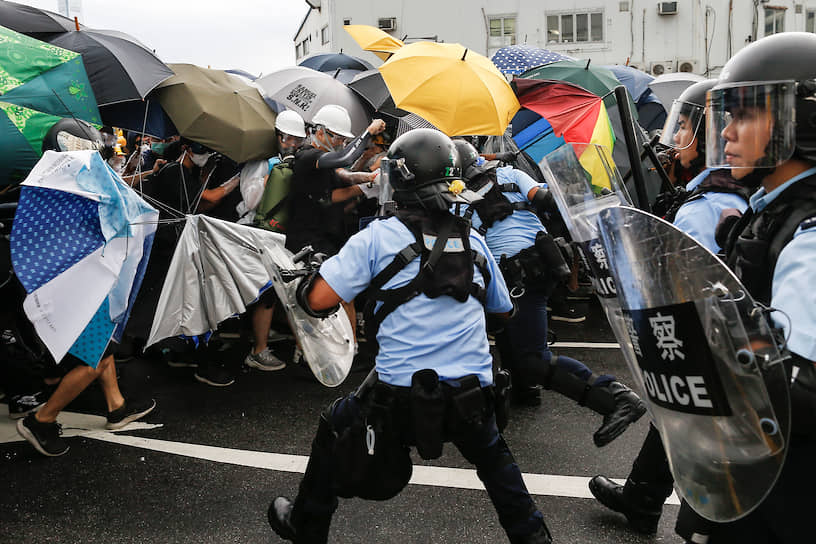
305,91
119,67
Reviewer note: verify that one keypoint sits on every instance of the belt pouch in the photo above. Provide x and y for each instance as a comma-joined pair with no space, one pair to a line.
468,400
428,413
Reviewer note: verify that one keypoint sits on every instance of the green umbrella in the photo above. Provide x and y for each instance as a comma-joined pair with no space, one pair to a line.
45,78
216,109
595,79
22,131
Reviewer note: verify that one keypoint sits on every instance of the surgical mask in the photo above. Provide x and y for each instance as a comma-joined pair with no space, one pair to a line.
158,148
145,148
200,159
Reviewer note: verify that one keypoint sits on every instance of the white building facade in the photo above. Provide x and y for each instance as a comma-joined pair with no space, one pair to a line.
658,37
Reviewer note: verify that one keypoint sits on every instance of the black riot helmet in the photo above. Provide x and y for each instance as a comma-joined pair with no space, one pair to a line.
425,170
687,118
772,81
473,164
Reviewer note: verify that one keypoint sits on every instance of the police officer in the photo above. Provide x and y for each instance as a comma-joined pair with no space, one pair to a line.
529,261
435,283
697,211
764,111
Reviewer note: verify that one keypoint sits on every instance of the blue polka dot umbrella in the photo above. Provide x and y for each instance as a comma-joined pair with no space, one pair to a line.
80,243
517,59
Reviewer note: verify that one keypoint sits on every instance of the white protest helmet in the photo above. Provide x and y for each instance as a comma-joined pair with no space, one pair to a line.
290,122
335,119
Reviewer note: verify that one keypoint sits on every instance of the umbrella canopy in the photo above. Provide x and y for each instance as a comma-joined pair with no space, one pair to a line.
22,131
457,90
373,39
34,22
651,113
219,268
214,108
516,59
668,87
119,69
371,87
142,116
80,243
575,115
305,91
595,79
330,62
45,78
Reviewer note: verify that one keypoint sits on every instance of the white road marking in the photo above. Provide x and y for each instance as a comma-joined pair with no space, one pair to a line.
587,345
537,484
73,424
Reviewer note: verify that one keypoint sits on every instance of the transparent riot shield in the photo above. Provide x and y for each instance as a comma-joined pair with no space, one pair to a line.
327,343
708,359
584,180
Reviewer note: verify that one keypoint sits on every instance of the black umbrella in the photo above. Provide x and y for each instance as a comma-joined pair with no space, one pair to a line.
118,66
329,62
35,22
370,86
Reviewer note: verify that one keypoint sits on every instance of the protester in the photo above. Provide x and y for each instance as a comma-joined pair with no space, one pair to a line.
418,374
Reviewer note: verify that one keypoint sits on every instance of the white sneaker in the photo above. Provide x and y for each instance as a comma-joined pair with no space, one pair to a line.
264,360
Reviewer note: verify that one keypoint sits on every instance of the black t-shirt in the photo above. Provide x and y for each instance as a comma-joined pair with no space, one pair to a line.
222,170
313,218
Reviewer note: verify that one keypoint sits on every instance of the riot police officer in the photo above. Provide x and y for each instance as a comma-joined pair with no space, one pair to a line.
697,211
763,117
530,262
434,281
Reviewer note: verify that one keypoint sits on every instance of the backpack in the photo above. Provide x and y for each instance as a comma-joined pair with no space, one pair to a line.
272,212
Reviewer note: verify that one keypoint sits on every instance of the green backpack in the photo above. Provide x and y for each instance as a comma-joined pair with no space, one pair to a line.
272,213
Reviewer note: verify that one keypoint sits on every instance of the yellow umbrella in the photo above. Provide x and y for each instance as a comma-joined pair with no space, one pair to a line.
371,38
457,90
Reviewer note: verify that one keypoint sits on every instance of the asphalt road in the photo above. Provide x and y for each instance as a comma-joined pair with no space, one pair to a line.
159,485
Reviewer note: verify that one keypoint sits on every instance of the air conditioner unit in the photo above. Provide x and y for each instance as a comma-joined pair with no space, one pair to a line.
687,65
387,23
667,8
661,67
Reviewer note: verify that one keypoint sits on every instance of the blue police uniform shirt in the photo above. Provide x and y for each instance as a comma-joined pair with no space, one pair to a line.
699,217
792,289
441,333
518,230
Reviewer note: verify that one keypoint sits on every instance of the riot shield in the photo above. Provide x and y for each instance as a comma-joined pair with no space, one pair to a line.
707,356
584,180
327,343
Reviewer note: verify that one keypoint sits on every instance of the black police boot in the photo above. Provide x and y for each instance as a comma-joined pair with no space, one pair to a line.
300,529
280,518
628,409
641,503
541,536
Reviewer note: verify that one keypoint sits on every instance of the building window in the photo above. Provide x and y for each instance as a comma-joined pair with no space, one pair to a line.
298,52
324,35
575,27
302,49
502,31
346,22
774,21
810,20
623,6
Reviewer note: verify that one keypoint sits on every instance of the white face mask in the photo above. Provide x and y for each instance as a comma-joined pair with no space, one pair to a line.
200,159
145,148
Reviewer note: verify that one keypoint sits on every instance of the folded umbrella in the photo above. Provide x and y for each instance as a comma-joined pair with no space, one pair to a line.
305,91
218,110
457,90
371,38
80,243
120,68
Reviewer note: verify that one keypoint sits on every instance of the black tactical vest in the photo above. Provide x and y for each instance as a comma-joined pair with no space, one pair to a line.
756,240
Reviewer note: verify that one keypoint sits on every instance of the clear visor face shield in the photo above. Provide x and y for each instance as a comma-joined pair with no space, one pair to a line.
751,125
330,141
682,125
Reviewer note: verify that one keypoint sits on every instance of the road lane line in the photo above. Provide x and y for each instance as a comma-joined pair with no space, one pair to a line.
459,478
587,345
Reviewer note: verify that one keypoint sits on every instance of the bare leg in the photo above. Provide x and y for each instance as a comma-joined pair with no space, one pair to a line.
71,385
110,385
261,323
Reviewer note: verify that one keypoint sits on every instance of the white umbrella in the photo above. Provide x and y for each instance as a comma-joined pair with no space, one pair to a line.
305,91
668,87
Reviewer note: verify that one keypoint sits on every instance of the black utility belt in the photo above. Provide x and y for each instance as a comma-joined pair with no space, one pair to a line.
437,409
539,267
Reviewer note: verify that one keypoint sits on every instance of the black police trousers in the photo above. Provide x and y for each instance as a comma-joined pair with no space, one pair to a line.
480,443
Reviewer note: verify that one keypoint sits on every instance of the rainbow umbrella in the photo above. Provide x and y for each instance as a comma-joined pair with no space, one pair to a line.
575,115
